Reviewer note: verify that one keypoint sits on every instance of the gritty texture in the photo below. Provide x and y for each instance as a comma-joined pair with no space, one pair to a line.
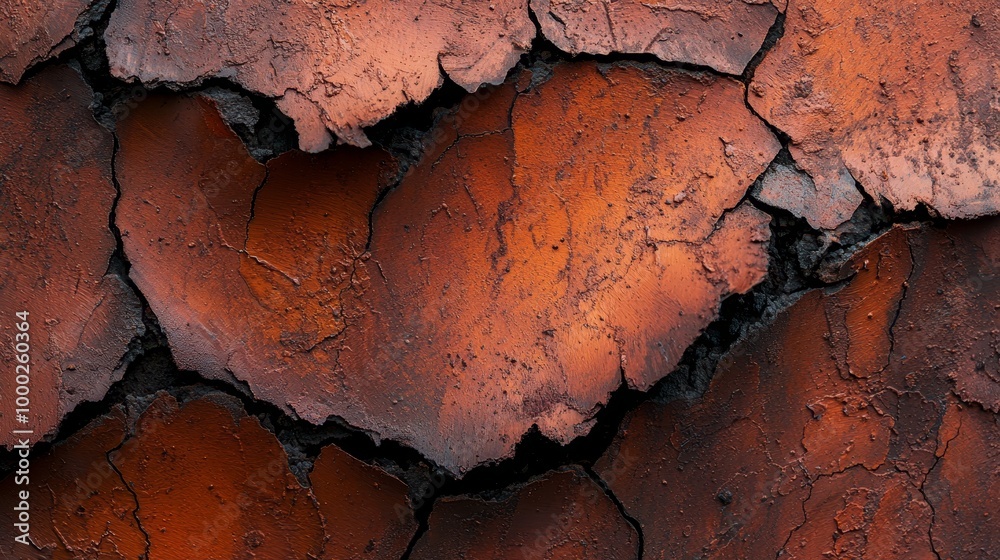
900,97
332,67
721,34
32,31
561,516
835,431
366,511
480,304
201,479
56,193
80,507
786,187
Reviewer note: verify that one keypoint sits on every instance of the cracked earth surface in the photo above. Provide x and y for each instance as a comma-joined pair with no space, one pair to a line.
598,280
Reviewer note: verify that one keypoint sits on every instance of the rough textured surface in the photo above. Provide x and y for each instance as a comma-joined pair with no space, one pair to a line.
835,431
56,194
32,31
493,294
366,511
721,34
202,474
900,97
561,516
333,68
784,186
203,480
80,507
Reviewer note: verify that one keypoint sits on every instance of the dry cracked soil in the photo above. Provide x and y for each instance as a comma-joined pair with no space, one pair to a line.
540,279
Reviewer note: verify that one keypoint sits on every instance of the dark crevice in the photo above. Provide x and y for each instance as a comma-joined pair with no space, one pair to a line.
798,257
131,491
422,514
777,31
622,511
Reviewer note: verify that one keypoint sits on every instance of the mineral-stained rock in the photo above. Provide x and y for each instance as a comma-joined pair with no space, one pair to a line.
784,186
835,431
32,31
901,97
201,474
199,480
332,67
561,516
546,240
79,506
56,195
367,512
721,34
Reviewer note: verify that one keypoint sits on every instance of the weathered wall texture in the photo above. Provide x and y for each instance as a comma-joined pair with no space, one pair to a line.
499,287
721,34
861,424
32,32
333,68
589,279
56,195
202,479
901,97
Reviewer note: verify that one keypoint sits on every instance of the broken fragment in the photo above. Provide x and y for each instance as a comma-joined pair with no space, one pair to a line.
332,68
31,32
562,516
56,196
200,473
721,34
830,432
901,98
366,511
506,280
202,479
78,506
785,187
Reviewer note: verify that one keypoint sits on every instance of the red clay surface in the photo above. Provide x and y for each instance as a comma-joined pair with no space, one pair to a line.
32,31
482,303
721,34
56,194
901,97
860,424
203,480
561,516
332,68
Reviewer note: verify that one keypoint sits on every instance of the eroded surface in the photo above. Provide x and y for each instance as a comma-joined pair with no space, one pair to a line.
56,194
79,506
202,479
902,98
31,32
721,34
564,515
510,276
836,431
332,68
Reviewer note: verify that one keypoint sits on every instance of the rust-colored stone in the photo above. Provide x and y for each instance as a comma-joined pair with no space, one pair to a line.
561,516
830,432
79,506
32,31
508,279
56,195
721,34
784,186
210,481
366,511
332,68
900,97
202,480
